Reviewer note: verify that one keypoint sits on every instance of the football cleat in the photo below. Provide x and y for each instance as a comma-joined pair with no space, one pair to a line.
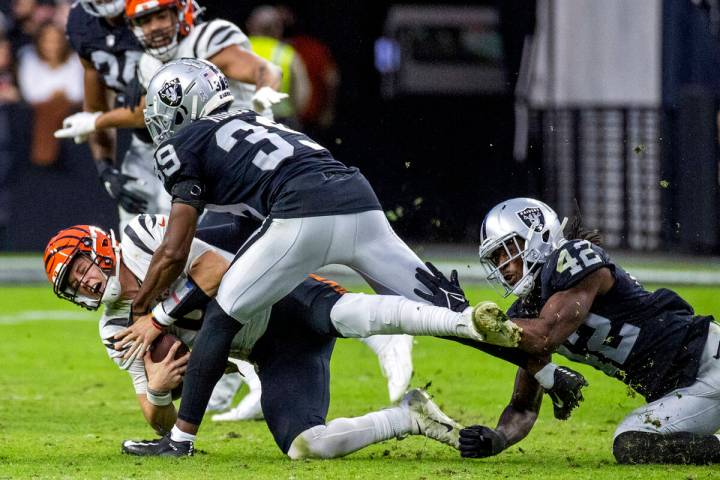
493,324
248,409
566,392
429,420
161,447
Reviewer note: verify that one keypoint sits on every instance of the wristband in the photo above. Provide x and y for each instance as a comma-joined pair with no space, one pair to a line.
161,317
157,398
156,324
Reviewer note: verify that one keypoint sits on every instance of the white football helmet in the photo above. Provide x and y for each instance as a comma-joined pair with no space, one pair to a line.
526,228
104,8
181,92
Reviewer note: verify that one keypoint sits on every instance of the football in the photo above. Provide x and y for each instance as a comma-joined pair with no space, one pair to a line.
162,344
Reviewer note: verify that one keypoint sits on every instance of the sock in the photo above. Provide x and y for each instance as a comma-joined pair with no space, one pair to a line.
177,435
546,376
342,436
360,315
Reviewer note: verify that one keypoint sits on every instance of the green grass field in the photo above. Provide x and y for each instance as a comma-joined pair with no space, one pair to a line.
65,408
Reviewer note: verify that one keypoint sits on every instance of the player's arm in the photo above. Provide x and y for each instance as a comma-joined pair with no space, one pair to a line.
515,422
122,117
102,144
167,262
562,314
163,377
245,66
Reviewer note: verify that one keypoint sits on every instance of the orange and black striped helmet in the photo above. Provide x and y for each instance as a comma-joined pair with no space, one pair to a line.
92,241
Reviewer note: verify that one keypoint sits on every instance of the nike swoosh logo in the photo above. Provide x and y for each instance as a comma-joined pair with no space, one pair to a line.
449,427
162,222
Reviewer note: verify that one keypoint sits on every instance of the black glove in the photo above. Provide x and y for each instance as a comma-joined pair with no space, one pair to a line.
478,441
566,392
114,183
443,292
132,94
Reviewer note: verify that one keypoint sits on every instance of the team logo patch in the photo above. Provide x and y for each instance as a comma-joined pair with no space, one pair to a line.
171,93
532,217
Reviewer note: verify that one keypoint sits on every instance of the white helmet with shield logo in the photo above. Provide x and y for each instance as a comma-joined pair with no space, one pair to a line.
524,228
181,92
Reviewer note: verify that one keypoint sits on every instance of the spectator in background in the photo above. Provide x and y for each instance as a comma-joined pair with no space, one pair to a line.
265,29
57,95
9,96
27,17
319,112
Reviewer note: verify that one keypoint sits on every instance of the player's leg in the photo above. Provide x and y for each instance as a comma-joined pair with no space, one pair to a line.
249,407
224,392
680,427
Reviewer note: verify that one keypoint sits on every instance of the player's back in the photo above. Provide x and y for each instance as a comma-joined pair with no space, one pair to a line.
113,50
242,162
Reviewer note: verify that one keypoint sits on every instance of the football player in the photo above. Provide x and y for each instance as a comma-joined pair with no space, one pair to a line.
316,211
165,30
291,343
109,53
574,300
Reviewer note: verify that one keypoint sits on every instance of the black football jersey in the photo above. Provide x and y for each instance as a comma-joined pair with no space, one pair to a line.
652,341
243,163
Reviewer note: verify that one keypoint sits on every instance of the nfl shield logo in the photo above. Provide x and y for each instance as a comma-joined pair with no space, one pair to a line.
532,217
171,93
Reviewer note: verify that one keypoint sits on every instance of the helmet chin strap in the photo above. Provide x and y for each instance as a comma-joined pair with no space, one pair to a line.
112,284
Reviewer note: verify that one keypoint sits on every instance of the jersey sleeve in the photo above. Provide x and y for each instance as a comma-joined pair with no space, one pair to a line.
180,170
111,324
74,31
571,263
212,37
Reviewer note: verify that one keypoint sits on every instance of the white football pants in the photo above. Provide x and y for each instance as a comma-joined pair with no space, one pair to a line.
284,251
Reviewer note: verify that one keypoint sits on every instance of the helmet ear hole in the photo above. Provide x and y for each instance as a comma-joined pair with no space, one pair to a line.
179,117
546,236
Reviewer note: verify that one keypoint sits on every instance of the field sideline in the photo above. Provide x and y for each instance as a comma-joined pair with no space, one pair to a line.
64,410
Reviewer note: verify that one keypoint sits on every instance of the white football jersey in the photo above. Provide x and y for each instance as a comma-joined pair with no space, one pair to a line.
140,239
203,42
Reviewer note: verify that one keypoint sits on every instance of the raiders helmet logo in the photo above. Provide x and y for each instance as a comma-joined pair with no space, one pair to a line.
171,93
532,217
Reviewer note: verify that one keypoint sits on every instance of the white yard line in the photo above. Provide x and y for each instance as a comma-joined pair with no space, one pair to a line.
26,316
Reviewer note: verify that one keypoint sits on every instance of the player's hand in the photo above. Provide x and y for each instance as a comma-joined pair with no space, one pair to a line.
78,126
479,441
137,338
443,292
266,97
167,374
566,392
493,324
116,184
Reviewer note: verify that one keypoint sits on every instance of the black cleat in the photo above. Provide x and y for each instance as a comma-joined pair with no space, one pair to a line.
160,447
566,393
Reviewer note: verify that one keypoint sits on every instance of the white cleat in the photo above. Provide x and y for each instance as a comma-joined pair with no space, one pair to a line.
396,364
248,409
492,323
429,420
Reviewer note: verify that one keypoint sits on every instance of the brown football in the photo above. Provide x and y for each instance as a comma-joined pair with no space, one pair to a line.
161,346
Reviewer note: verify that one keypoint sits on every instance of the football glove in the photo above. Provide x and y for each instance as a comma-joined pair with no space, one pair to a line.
115,183
566,392
443,292
479,441
266,97
78,126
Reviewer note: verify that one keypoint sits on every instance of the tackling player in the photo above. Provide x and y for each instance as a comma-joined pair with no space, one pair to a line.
291,343
574,300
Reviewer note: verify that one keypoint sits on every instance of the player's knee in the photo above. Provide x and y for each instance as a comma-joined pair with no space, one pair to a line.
310,444
629,447
350,317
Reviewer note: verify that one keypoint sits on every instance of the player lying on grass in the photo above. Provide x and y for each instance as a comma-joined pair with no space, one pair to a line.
291,344
575,301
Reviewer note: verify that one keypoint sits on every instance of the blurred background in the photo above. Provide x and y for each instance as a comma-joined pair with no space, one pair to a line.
610,107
